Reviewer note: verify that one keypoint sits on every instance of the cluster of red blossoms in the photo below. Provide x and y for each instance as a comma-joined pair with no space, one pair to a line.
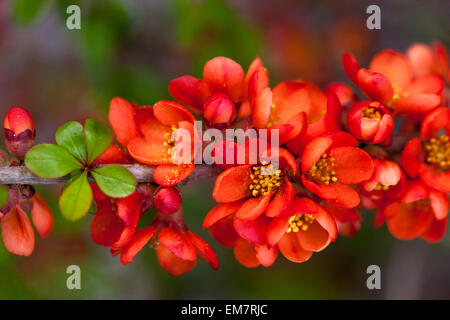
387,149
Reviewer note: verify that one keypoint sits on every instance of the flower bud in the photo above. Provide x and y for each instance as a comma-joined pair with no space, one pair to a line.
167,200
19,131
219,111
370,121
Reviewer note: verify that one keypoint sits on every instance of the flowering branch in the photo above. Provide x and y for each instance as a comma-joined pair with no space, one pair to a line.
142,173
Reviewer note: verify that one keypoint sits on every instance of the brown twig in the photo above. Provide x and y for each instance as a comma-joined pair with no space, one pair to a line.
143,173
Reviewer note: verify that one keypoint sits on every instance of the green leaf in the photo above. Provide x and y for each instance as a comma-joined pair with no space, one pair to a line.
76,199
71,136
115,181
50,161
3,195
98,138
25,11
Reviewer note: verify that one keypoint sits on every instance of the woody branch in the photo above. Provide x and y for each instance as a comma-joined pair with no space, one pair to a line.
142,173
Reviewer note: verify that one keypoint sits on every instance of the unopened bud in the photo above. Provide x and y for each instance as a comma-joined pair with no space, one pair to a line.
219,111
167,200
19,131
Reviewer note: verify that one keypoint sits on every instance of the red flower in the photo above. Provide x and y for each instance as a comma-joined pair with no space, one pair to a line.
221,94
116,220
420,212
306,229
390,80
146,132
387,181
19,131
323,115
258,188
426,60
370,121
176,246
429,155
17,232
331,163
282,108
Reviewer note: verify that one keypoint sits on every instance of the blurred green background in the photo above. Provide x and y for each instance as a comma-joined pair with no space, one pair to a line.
132,49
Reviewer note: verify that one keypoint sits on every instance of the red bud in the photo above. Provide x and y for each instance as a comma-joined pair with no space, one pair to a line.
167,200
219,110
19,131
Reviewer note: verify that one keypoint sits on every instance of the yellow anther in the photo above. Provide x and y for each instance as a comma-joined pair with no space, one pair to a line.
370,112
263,181
300,222
438,152
323,170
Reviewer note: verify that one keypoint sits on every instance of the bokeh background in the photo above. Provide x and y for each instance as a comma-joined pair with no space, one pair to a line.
132,49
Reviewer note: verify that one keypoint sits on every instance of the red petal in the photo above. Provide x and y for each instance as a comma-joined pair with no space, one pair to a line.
129,209
253,207
172,264
439,203
412,156
171,112
291,248
121,117
313,151
351,67
106,227
353,165
17,232
42,216
266,255
406,223
178,243
150,151
260,97
245,253
436,231
434,122
282,201
233,184
223,232
315,238
168,175
435,178
225,75
204,251
432,83
375,85
140,239
219,212
394,66
337,192
252,230
190,91
417,103
421,58
276,229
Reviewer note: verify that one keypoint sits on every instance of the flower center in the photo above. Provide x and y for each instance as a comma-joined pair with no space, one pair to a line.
381,187
371,113
300,222
272,117
438,152
169,142
323,170
265,179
